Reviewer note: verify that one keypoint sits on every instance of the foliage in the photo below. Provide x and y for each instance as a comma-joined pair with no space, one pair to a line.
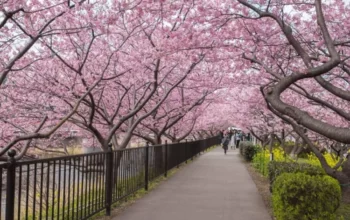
262,158
248,150
260,161
301,196
289,145
276,168
312,159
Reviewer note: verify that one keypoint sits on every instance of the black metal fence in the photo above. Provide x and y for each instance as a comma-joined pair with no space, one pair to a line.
79,186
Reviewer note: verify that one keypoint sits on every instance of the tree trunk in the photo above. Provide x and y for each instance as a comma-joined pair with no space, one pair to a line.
297,148
271,147
346,194
344,180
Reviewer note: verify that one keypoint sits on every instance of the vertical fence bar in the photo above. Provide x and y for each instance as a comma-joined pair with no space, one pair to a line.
53,190
127,171
86,200
186,151
41,190
69,188
132,170
192,151
116,170
166,159
123,177
100,181
10,183
64,189
73,187
82,187
58,189
176,157
109,170
94,189
1,170
146,166
19,194
90,194
34,190
47,190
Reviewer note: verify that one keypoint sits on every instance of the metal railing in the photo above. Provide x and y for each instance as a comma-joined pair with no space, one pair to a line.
79,186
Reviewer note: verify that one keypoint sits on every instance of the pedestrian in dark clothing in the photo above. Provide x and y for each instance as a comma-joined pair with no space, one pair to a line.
249,138
230,133
225,142
231,136
221,135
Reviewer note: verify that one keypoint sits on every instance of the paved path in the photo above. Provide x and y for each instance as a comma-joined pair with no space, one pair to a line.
215,186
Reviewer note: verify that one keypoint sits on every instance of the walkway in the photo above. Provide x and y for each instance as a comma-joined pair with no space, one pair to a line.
215,186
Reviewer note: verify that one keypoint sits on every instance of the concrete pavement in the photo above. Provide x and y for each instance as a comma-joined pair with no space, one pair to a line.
214,186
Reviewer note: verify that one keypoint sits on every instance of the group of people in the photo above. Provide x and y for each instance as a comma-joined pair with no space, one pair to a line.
232,138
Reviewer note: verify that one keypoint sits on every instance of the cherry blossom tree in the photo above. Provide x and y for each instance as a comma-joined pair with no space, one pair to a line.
24,27
300,48
118,56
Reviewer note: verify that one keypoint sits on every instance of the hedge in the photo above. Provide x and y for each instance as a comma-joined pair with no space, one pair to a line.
276,168
247,149
303,197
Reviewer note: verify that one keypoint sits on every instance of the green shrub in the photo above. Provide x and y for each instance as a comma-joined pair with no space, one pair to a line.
248,150
303,197
276,168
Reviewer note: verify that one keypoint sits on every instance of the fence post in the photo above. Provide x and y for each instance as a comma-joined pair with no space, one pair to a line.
10,184
166,159
109,179
146,166
186,151
193,151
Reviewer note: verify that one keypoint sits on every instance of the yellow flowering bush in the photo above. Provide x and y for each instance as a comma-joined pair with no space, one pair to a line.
262,158
313,160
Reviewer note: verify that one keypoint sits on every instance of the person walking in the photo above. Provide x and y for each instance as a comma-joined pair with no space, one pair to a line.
249,138
232,139
225,142
238,137
221,135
